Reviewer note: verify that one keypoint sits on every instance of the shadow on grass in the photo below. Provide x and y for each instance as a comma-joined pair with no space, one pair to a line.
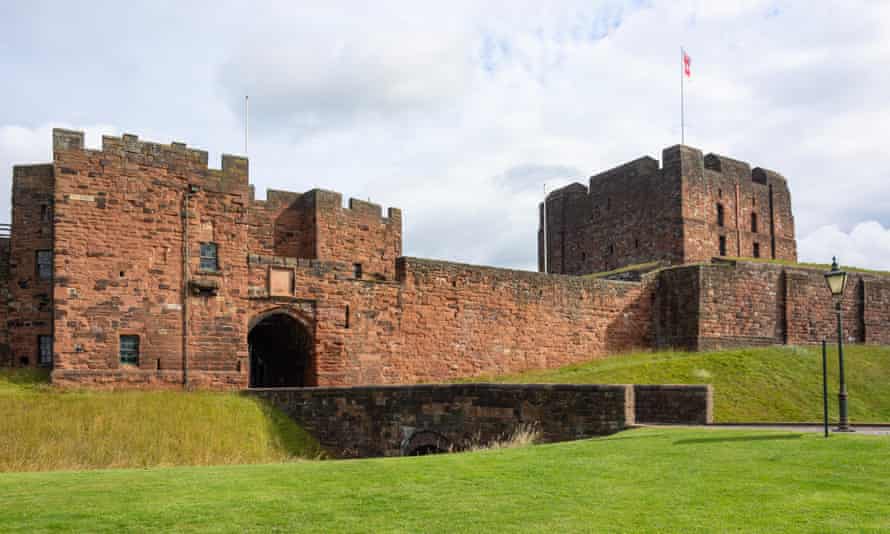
738,438
295,440
629,434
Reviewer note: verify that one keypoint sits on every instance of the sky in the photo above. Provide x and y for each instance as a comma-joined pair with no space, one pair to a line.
460,113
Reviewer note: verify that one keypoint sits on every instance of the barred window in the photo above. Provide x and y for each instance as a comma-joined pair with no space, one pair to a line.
45,264
45,350
209,258
129,347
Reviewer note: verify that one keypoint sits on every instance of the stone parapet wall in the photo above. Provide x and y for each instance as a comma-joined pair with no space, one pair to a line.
673,404
397,420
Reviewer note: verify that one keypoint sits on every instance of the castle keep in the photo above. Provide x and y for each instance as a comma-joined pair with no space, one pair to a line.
137,265
690,210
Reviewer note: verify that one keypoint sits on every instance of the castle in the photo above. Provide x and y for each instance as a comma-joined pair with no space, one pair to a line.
691,210
138,266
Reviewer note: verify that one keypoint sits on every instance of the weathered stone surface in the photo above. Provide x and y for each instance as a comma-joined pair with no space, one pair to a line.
397,420
116,220
638,213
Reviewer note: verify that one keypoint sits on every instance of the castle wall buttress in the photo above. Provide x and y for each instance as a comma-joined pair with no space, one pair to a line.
30,276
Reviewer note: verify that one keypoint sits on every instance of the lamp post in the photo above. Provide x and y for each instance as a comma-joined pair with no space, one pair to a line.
837,281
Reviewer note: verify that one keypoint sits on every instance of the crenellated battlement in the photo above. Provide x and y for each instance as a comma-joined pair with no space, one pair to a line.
233,172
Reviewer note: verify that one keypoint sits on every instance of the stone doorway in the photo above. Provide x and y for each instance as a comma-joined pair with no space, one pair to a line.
280,350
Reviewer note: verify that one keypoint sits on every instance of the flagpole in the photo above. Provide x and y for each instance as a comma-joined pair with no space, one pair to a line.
682,99
545,228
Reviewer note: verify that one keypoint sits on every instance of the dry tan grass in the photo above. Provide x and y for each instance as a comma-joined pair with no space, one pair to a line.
45,429
523,435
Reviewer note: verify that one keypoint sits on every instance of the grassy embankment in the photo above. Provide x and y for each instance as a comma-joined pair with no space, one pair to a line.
637,481
750,385
42,428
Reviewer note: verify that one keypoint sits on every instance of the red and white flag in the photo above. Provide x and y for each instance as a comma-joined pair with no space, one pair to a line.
687,65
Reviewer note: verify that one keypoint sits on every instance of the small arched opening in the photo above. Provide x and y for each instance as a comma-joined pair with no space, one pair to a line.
426,442
280,350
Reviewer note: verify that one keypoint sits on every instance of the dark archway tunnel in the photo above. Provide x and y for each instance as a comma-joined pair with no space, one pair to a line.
280,352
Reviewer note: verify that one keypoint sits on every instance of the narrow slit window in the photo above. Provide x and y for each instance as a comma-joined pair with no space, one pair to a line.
756,250
754,222
357,270
720,218
723,245
347,316
44,264
44,213
129,350
209,257
45,351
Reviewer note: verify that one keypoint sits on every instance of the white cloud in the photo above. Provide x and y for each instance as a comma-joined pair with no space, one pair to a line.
866,245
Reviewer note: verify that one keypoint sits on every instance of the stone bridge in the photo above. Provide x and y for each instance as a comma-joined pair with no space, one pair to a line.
365,421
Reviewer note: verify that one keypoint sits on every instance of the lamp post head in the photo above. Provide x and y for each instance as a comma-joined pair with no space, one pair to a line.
836,279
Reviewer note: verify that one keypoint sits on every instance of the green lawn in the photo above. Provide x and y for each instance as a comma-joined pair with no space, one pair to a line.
43,428
641,480
750,385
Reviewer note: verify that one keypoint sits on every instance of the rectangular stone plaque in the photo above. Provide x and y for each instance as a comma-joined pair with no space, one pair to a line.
281,282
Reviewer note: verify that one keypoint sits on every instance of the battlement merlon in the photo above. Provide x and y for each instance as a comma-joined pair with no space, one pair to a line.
325,200
234,171
719,164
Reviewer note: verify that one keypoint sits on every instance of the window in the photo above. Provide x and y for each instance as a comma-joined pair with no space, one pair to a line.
611,249
45,351
754,222
720,220
357,270
756,250
723,245
636,243
130,350
209,258
45,264
44,213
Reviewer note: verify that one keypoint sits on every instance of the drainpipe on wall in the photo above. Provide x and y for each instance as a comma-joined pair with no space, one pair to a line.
738,225
190,189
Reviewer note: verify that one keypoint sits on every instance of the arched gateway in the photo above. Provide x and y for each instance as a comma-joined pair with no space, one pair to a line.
280,349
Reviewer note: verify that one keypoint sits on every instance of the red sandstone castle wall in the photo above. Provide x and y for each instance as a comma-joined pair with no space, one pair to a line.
639,213
742,304
712,180
119,232
627,215
444,320
357,234
30,298
461,320
282,225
